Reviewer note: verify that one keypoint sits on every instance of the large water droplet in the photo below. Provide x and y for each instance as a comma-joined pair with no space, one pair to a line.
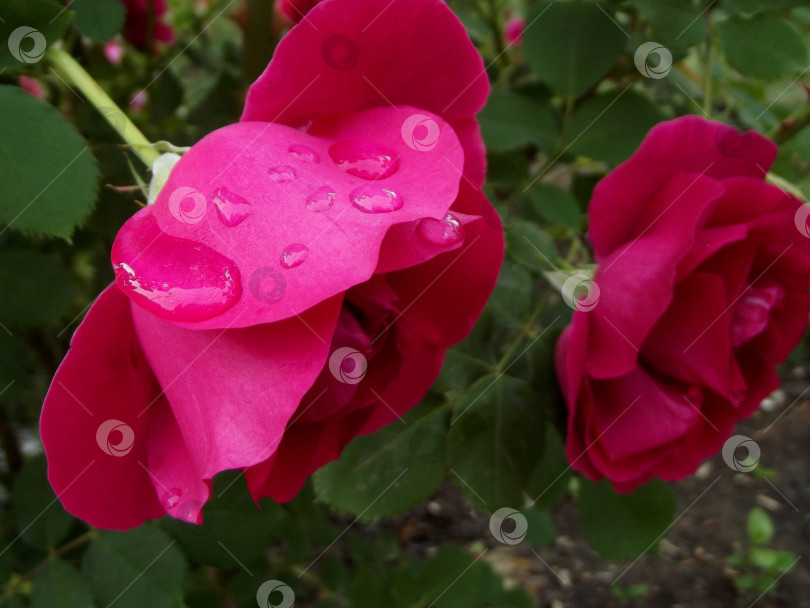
304,154
171,277
281,174
232,209
363,158
294,255
444,232
375,200
322,199
268,285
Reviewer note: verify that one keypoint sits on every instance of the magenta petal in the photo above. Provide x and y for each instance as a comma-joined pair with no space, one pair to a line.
351,56
307,237
95,421
714,150
231,394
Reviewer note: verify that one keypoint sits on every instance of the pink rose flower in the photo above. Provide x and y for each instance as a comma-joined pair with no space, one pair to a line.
32,86
513,32
297,280
114,52
295,10
702,289
137,22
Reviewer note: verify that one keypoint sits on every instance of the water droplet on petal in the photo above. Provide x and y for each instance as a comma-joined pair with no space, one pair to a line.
375,200
444,232
232,209
281,174
321,200
366,159
171,277
304,154
268,285
294,255
172,498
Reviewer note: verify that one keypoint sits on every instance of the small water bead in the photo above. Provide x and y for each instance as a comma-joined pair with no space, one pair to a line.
363,158
172,498
232,209
174,278
375,200
304,154
443,233
281,174
294,255
322,199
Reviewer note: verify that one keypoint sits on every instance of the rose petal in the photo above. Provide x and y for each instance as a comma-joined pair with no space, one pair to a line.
231,394
94,438
348,57
714,150
242,195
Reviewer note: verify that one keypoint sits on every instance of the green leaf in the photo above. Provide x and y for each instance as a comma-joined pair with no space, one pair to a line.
16,360
389,471
137,568
571,45
27,27
555,205
763,46
459,371
675,23
511,119
49,176
760,6
233,529
622,526
506,168
40,517
59,585
541,529
99,20
38,286
548,484
530,246
759,526
610,126
495,440
513,296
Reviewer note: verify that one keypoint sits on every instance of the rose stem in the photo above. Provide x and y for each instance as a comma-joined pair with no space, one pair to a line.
69,68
